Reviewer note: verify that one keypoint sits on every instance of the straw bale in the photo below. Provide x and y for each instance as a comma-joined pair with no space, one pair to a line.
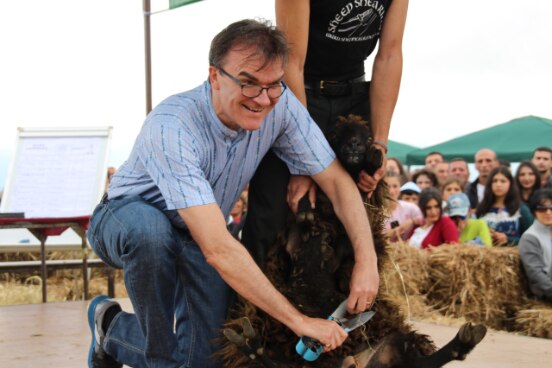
405,281
480,284
535,320
406,269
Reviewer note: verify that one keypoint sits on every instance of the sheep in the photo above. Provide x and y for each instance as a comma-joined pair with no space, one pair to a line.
311,264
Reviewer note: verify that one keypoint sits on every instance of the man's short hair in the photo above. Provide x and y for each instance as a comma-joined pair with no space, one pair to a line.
541,149
260,36
459,159
435,153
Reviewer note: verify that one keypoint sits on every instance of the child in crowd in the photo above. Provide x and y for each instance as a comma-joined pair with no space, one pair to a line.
410,192
404,216
470,231
502,209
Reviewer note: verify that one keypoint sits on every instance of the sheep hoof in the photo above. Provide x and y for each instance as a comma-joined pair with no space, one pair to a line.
234,337
471,334
248,330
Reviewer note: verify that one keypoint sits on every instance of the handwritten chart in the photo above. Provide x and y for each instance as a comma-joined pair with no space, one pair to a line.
56,176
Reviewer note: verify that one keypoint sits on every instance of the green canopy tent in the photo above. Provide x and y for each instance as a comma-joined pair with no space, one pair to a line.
513,141
399,150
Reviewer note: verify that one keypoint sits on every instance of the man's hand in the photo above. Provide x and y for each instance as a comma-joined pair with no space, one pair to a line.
364,287
297,188
329,333
368,183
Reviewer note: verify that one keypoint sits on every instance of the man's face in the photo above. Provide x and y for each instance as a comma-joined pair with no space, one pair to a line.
441,170
232,108
459,169
485,161
432,160
543,161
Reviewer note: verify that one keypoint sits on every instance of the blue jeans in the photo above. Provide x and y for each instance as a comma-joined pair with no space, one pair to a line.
179,300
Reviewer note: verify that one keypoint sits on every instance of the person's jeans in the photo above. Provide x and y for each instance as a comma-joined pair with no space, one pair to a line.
179,300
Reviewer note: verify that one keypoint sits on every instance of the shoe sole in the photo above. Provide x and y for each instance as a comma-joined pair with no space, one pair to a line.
91,311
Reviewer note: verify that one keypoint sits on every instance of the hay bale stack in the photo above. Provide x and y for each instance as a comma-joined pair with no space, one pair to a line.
405,270
480,284
405,279
535,320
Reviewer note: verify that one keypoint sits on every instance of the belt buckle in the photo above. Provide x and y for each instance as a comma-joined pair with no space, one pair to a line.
324,82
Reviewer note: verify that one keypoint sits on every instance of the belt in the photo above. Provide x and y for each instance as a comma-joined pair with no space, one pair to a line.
336,87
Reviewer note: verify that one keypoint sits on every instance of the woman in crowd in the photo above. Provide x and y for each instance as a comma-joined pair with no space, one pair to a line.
528,180
404,216
470,231
436,229
425,178
502,209
535,245
395,165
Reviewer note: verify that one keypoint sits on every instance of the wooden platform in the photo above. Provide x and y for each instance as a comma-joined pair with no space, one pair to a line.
57,335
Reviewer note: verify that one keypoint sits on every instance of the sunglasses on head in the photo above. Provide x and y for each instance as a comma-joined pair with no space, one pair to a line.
544,208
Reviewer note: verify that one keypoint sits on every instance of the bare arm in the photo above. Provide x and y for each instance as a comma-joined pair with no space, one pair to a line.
385,82
387,70
235,265
292,18
348,205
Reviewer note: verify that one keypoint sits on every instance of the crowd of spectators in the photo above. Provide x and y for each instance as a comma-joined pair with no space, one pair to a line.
499,208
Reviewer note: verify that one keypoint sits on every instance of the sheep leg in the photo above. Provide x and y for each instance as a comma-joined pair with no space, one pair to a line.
458,348
248,344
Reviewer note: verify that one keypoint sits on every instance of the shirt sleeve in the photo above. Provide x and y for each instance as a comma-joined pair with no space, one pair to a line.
484,233
172,157
449,232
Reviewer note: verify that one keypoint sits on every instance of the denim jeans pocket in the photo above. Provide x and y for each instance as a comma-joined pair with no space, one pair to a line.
94,237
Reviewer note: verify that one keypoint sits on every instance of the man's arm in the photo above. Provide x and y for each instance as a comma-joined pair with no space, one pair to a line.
385,82
348,206
235,265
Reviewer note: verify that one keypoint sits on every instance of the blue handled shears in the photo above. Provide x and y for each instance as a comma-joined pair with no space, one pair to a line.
310,349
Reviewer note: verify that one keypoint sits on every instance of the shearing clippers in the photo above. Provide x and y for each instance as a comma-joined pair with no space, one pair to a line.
310,349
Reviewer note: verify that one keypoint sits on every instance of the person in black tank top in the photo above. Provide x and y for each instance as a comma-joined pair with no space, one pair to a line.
330,41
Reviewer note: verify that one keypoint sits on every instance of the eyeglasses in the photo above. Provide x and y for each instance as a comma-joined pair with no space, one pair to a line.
543,209
253,90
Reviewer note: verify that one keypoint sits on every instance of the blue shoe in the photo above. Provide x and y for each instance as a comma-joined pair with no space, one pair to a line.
97,357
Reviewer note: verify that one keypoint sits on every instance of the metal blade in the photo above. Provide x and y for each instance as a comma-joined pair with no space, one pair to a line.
356,321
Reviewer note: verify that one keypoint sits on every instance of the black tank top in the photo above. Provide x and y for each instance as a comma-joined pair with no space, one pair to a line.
342,34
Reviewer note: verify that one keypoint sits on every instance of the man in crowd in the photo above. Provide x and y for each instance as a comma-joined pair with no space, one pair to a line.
432,159
441,170
485,161
542,159
458,167
164,218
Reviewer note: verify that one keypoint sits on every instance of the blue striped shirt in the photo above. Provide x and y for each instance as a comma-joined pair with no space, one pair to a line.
185,156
